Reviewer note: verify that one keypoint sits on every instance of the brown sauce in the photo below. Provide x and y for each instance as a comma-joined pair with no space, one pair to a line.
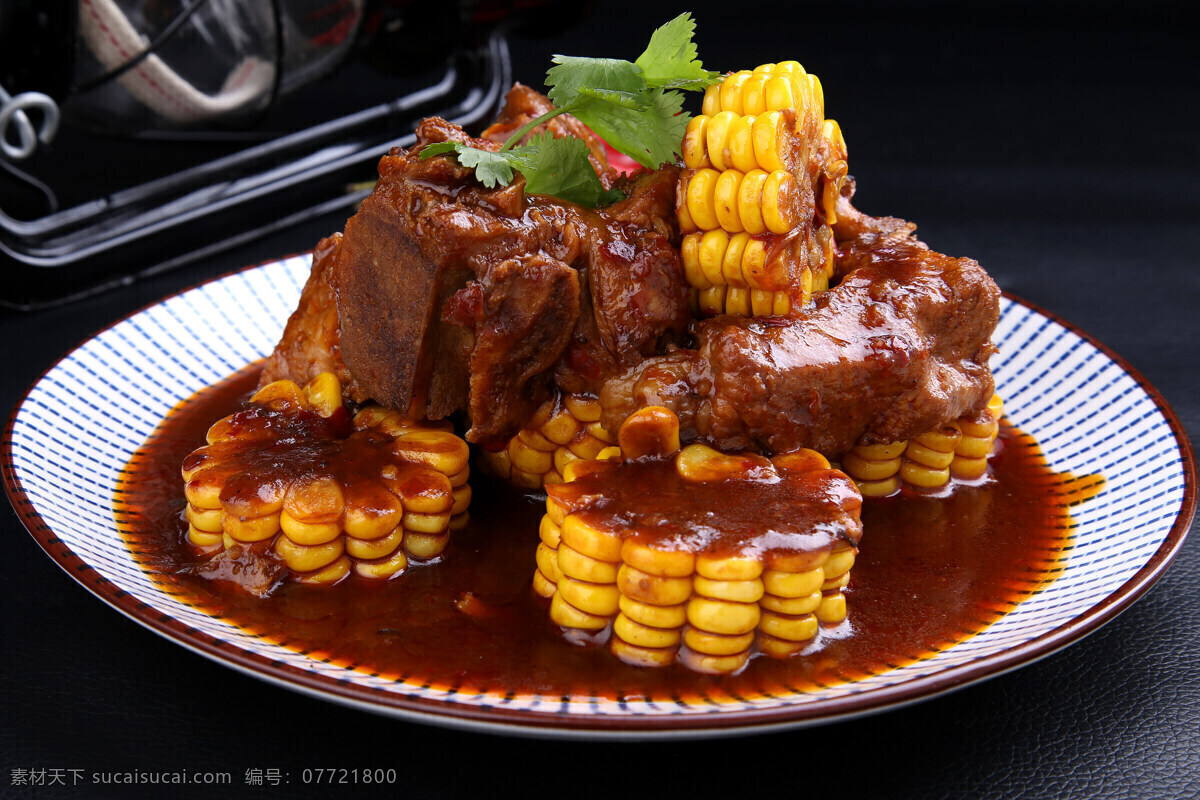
931,572
763,514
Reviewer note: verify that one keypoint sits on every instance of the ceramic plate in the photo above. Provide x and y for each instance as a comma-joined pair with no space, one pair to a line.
79,425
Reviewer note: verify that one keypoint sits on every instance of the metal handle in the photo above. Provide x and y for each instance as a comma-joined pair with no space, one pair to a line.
12,112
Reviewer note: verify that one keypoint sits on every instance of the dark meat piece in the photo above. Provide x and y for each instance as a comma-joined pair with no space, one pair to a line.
311,342
899,347
453,296
528,307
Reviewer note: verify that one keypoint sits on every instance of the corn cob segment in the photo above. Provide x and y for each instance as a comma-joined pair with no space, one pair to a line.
960,450
564,430
731,555
294,478
764,170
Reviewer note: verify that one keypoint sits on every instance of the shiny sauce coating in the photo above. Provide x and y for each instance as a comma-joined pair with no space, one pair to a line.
763,513
931,571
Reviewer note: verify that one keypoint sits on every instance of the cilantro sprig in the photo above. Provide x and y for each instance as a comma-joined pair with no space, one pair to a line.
635,106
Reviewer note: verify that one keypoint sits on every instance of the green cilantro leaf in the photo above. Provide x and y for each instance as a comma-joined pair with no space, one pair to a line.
560,167
597,74
490,168
670,60
633,106
650,137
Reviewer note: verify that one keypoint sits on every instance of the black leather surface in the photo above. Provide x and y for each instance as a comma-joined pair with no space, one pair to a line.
1060,152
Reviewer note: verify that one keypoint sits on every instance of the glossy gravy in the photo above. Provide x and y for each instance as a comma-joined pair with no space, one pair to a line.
931,571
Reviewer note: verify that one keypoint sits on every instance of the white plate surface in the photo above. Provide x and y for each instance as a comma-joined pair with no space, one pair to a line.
80,423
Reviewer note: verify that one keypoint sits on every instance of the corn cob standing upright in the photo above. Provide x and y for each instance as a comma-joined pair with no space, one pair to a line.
684,574
296,477
755,204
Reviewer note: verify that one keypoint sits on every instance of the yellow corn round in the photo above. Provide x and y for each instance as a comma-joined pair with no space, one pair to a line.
832,609
281,396
328,575
664,563
942,440
715,644
731,91
792,584
722,616
643,635
728,568
204,539
778,201
308,533
737,301
651,615
968,468
424,545
711,301
710,254
542,585
575,564
735,591
462,499
726,203
527,459
836,582
791,628
324,394
700,188
974,447
203,491
591,541
750,200
561,428
372,549
592,598
717,139
741,143
881,452
587,446
205,520
778,648
642,656
743,255
556,512
547,563
257,529
550,532
863,469
653,589
525,480
769,135
371,512
695,146
713,665
308,559
441,450
840,561
925,477
883,488
384,568
568,616
793,606
427,523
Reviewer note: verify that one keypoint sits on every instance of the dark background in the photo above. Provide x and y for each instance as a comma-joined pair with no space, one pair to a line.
1057,144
